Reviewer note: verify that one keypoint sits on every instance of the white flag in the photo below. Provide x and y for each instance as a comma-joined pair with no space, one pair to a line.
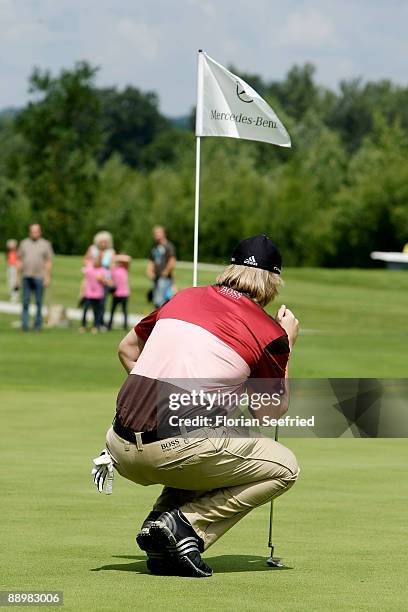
227,106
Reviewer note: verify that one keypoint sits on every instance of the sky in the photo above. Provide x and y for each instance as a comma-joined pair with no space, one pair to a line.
152,44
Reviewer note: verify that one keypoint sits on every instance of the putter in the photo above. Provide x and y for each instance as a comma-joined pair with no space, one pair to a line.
273,561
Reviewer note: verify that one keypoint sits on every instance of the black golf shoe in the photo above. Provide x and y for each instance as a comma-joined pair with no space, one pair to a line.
173,532
158,559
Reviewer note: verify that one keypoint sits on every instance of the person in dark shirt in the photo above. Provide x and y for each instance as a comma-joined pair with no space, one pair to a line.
162,260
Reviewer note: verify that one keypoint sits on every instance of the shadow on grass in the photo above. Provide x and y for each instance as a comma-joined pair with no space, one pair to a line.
221,564
138,565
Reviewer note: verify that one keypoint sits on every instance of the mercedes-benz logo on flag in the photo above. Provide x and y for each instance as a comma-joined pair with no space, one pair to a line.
242,95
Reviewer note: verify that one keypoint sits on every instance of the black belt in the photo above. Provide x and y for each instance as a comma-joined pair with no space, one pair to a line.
147,436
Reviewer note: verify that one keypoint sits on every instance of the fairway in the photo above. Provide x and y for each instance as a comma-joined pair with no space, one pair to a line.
354,321
340,530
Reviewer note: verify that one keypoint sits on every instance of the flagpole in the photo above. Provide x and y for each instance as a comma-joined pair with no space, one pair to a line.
199,120
196,210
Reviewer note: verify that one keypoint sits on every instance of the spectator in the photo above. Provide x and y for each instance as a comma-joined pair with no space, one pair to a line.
34,265
11,259
95,277
162,260
102,246
120,287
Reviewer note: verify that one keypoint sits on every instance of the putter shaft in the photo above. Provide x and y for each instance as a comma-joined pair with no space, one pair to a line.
272,562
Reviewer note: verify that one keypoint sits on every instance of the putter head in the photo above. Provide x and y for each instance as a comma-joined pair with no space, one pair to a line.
274,562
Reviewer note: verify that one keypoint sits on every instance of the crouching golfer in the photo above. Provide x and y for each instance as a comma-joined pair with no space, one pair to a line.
221,336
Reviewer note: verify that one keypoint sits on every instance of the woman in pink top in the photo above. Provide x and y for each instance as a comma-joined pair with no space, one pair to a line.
120,275
95,278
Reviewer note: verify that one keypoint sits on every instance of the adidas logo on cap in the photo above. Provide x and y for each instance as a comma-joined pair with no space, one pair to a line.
258,252
251,261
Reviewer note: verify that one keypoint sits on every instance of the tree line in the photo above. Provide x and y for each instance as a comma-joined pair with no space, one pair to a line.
78,159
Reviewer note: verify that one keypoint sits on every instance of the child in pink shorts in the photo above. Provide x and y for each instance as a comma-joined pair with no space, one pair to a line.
120,282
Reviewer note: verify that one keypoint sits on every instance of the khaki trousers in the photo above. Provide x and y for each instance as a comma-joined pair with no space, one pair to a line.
215,481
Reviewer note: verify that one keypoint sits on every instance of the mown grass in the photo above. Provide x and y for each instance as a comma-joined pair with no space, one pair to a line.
340,529
354,321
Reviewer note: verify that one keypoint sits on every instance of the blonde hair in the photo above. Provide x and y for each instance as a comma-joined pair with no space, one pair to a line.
107,236
261,286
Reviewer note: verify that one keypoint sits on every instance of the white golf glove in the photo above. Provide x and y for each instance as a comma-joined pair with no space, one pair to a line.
103,470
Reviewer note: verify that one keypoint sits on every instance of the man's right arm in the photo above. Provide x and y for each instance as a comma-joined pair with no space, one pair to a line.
129,350
289,322
19,266
132,344
273,367
150,270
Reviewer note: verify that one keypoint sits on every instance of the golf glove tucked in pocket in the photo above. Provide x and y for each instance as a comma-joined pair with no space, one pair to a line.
102,470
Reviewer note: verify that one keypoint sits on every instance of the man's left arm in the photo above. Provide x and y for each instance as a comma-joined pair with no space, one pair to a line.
129,350
48,266
171,262
169,267
269,379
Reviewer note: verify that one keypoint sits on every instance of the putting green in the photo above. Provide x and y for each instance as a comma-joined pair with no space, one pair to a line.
340,530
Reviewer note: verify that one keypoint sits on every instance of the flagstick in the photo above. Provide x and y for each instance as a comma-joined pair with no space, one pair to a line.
196,211
199,120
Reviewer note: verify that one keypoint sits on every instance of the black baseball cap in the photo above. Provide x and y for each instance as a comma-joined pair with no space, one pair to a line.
258,252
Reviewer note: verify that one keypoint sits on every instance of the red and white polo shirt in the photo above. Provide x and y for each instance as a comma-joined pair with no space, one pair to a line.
212,334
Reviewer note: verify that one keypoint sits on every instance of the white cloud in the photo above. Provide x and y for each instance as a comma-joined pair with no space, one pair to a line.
307,28
206,6
138,36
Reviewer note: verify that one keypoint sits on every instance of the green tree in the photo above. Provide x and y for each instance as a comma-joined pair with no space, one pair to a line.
370,212
15,210
131,121
298,92
352,112
122,207
167,148
62,131
80,159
